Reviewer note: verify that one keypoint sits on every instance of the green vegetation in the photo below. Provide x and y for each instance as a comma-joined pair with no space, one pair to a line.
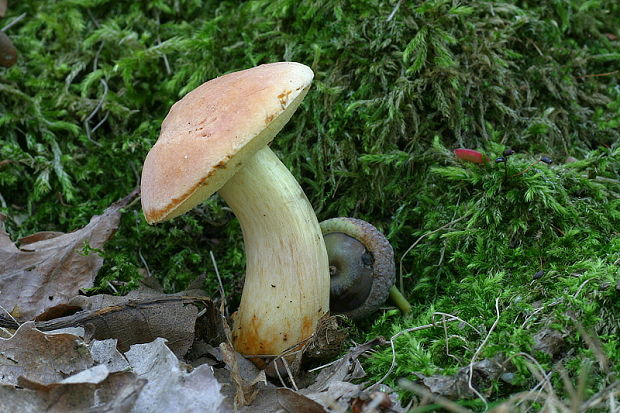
393,95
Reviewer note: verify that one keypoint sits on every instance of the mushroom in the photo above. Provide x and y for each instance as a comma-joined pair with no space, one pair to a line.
215,139
361,266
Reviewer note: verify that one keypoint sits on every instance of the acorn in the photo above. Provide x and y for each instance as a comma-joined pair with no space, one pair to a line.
361,265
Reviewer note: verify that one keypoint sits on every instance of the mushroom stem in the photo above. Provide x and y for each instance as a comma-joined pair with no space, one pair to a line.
399,300
286,288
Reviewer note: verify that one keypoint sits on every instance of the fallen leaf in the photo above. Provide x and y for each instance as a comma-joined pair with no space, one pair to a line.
93,390
346,368
294,402
50,271
456,386
41,357
549,341
337,396
133,321
169,388
104,352
245,384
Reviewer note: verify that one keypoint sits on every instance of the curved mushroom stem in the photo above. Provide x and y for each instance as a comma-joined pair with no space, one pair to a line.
286,288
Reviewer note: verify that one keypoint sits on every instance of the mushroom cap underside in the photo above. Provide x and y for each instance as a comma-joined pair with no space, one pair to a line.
208,135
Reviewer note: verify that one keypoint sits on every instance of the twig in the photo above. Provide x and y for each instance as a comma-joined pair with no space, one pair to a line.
394,337
599,74
101,122
94,112
538,310
96,59
544,382
458,318
166,63
445,332
219,280
13,22
412,246
583,284
290,374
275,366
146,266
90,14
112,287
9,314
435,398
471,364
394,10
325,365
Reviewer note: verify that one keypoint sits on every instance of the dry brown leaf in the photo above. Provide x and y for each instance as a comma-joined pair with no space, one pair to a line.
344,369
133,321
337,396
294,402
169,388
456,386
244,376
44,358
104,352
50,271
84,392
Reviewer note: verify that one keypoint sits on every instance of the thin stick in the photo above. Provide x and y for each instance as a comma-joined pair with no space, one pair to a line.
290,375
458,318
166,64
581,287
13,22
543,382
394,10
112,287
440,400
412,246
538,310
219,280
599,74
100,122
275,365
146,266
9,314
471,364
325,365
394,337
526,169
94,112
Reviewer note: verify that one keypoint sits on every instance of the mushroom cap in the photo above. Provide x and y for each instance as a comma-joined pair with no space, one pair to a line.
208,135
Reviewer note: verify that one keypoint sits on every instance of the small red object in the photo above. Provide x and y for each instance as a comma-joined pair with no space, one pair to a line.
469,155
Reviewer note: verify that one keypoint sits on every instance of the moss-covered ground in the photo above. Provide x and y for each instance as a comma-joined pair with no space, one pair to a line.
398,85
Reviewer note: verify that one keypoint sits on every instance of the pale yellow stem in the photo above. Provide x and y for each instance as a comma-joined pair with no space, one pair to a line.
287,282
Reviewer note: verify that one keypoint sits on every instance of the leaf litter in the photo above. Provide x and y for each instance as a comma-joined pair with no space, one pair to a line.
126,354
48,269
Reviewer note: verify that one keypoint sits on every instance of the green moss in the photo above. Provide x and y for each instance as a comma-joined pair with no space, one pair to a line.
393,95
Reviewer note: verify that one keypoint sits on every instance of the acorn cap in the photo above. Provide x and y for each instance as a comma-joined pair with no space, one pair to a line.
209,134
359,298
